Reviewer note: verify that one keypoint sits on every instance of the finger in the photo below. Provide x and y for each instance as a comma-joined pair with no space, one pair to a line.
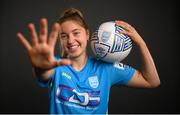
64,62
125,32
43,30
32,31
128,34
23,41
61,62
54,34
124,25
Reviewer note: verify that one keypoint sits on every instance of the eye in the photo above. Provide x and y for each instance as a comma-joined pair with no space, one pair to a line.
63,36
76,33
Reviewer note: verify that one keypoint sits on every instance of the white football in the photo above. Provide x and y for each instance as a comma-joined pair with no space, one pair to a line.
109,44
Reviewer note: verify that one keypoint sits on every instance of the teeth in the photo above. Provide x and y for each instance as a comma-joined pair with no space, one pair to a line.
73,47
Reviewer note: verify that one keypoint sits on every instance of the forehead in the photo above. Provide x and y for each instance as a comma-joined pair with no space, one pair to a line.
69,26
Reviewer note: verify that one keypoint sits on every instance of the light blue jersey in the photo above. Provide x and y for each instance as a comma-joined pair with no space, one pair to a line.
86,91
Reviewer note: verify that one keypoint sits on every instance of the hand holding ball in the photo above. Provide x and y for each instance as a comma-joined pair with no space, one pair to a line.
109,44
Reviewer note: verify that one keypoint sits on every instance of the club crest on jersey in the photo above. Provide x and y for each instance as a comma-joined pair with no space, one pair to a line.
93,81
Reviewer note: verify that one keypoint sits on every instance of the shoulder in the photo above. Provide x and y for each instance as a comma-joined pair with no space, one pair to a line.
99,64
106,65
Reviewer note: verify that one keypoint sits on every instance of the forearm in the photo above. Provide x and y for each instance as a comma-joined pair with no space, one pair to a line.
148,69
43,74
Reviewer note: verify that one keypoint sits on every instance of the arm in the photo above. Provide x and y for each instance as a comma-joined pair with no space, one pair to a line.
148,76
41,51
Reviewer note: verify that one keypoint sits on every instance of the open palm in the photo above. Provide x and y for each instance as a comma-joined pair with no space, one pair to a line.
41,50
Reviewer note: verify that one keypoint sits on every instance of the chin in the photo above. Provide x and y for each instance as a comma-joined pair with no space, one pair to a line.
73,55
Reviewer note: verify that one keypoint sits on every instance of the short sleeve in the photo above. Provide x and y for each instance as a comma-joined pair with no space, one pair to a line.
120,73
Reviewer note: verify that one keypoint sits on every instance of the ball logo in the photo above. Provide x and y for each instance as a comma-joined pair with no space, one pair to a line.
101,50
105,36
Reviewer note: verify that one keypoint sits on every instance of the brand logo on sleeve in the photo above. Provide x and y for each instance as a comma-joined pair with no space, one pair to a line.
66,75
121,66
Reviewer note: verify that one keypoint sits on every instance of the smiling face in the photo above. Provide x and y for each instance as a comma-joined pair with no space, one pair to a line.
73,38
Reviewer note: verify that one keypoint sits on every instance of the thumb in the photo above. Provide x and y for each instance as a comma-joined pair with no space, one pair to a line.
62,62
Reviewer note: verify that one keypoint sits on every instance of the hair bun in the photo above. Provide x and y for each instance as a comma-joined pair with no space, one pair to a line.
71,11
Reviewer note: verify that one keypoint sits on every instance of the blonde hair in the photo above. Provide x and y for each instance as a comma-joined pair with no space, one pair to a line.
75,15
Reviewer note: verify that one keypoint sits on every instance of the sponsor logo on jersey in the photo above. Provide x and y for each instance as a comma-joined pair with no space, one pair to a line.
71,97
93,81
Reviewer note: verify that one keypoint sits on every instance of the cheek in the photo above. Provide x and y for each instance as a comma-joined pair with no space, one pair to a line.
84,40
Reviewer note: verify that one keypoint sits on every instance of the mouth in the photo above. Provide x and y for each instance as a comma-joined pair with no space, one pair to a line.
73,48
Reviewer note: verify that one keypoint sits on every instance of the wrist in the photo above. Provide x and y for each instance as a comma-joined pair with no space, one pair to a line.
42,73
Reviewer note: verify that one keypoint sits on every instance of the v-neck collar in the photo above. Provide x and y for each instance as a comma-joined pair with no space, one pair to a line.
83,69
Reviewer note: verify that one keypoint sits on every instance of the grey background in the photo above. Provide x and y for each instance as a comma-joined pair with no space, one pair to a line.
155,20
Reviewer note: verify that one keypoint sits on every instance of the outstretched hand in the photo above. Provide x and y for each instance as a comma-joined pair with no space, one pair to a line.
41,50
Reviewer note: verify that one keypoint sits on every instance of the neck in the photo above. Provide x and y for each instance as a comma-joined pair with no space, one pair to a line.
79,62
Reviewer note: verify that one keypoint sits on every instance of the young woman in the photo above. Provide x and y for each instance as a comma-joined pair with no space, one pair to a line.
78,83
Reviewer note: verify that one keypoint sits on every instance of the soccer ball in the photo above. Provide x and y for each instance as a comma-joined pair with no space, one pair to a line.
109,44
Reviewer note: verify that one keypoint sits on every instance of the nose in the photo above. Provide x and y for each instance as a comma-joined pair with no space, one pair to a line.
71,39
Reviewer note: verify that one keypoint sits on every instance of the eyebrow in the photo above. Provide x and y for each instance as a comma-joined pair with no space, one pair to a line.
75,30
71,31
